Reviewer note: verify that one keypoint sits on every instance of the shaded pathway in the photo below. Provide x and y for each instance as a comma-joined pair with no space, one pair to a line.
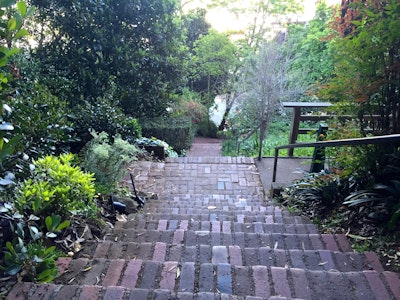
212,234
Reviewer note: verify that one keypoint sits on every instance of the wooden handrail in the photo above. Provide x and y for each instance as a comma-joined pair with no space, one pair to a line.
297,117
384,139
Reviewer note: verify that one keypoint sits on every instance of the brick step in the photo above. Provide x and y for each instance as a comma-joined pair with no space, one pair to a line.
201,208
235,255
207,196
218,226
195,209
29,291
331,242
213,215
260,281
211,160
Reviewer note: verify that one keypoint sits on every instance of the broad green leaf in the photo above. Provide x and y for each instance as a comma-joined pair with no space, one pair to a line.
50,249
22,8
3,62
369,13
12,24
30,11
49,222
63,225
10,248
19,20
21,33
12,52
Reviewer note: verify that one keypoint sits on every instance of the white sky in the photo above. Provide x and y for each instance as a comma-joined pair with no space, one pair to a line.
222,20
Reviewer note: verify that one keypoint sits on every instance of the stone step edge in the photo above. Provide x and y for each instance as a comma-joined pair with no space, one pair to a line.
312,241
219,216
256,280
217,226
233,254
25,290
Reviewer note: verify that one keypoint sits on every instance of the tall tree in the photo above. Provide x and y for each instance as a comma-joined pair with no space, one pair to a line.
367,72
215,56
312,44
265,82
136,45
196,25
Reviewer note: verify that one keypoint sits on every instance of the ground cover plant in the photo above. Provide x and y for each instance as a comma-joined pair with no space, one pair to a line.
277,135
44,206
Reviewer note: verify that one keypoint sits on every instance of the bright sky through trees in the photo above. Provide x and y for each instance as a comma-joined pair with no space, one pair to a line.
222,20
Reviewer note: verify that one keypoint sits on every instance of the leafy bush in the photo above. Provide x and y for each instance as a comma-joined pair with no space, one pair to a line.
33,261
178,132
190,106
57,188
108,161
153,142
25,254
104,116
322,189
11,30
380,195
41,118
207,128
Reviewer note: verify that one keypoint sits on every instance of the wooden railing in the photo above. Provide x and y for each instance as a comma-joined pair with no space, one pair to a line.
384,139
297,116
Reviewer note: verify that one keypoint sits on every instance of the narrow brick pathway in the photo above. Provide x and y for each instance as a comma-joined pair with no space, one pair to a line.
212,234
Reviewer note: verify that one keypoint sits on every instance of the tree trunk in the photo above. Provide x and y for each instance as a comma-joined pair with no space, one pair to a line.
229,104
263,129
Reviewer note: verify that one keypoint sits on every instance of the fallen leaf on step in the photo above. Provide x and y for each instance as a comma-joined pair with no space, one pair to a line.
87,269
121,218
170,269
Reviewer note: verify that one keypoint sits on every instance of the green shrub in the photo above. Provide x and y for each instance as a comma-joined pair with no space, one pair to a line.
58,188
323,189
108,161
104,116
379,196
33,261
25,255
153,142
207,128
178,132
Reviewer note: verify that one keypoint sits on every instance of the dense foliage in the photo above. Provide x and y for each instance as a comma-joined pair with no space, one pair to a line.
139,72
366,76
108,160
136,45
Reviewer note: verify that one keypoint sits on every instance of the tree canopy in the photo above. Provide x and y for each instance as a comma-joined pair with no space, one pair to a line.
138,45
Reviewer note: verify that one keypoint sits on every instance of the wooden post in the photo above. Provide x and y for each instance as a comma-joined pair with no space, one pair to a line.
318,160
294,128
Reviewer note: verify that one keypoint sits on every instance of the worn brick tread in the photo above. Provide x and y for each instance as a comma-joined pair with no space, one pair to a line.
212,234
203,235
217,225
242,281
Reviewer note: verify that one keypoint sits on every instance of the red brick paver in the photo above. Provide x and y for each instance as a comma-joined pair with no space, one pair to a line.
211,233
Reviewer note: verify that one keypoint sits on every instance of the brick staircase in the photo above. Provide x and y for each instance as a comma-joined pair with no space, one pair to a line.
211,234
